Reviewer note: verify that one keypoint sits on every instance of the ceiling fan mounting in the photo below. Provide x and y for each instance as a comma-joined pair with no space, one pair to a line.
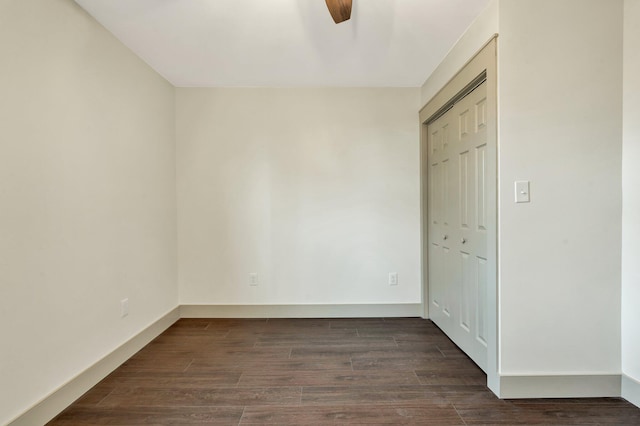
340,10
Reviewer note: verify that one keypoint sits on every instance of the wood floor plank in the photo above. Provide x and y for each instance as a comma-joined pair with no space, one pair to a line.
466,394
328,378
355,342
165,380
298,323
297,335
241,354
448,364
356,322
323,395
212,397
452,377
394,414
247,365
169,364
551,414
330,352
83,416
430,351
402,363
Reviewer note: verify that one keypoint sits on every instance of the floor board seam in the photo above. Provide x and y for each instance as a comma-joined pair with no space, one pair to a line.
188,365
242,415
458,413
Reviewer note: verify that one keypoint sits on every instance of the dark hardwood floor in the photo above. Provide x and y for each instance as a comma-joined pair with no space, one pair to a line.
315,371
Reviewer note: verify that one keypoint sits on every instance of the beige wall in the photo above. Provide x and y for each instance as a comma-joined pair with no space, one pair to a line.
87,197
631,203
316,190
560,100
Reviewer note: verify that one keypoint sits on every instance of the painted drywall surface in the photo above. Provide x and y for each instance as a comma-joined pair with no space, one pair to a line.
560,97
315,190
87,196
630,194
478,33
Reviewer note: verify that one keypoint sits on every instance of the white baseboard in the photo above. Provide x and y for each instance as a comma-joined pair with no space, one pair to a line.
631,390
301,311
570,386
61,398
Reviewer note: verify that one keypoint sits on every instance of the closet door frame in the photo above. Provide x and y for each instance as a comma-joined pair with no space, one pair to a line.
483,62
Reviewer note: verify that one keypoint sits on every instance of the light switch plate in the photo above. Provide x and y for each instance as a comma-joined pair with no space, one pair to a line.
522,191
253,279
124,307
393,278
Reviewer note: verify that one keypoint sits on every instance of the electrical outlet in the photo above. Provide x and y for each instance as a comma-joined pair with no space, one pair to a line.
253,279
393,278
124,307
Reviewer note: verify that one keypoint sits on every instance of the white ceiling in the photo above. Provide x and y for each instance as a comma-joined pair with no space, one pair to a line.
280,43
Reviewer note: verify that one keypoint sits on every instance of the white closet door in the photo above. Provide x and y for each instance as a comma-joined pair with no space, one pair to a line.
458,212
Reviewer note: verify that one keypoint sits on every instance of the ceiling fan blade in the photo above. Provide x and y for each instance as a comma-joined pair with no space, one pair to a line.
340,10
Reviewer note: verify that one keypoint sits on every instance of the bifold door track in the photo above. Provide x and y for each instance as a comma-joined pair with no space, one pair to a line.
458,97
